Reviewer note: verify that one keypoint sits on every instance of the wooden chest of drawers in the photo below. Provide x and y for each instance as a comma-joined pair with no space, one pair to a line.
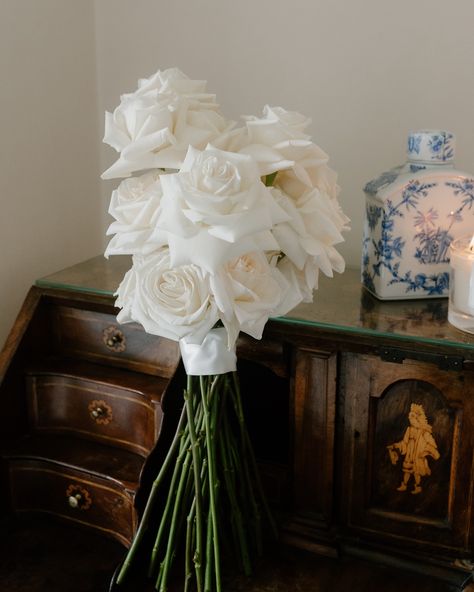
84,404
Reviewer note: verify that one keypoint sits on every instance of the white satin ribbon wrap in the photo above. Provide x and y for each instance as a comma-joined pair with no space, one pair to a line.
211,357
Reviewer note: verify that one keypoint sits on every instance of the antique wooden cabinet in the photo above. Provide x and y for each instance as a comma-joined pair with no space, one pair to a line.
361,413
382,413
83,403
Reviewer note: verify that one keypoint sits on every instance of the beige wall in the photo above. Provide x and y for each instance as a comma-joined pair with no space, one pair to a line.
366,71
50,211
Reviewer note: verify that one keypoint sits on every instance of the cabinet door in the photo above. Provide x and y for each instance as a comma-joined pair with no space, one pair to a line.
408,455
313,415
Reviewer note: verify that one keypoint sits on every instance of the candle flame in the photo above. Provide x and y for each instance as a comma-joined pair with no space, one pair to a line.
471,244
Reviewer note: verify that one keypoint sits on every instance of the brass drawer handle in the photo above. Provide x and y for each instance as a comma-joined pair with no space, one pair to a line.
78,498
114,339
100,412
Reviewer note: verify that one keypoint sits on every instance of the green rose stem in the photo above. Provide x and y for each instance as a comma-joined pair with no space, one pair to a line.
170,550
204,383
180,497
208,574
190,533
187,477
191,530
248,453
198,555
213,483
144,523
248,494
167,510
229,478
227,469
205,434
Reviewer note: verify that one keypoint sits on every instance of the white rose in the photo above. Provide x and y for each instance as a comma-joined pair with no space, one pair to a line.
171,302
278,143
216,208
277,140
302,281
135,205
313,229
174,81
233,140
311,172
153,127
247,290
310,193
277,125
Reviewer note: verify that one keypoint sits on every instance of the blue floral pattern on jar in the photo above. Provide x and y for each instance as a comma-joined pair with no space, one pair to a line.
413,212
431,146
430,240
414,143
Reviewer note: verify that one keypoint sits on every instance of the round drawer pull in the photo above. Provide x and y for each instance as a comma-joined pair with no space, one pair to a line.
100,412
78,498
74,500
114,339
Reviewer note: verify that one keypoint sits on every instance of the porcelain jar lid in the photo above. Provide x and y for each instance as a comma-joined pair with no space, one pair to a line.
431,146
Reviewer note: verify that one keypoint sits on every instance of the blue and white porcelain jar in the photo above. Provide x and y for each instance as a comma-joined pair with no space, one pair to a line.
412,214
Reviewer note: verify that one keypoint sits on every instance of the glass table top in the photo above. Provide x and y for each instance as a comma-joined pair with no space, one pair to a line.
340,303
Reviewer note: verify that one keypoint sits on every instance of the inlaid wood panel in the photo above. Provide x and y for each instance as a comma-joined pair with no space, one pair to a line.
408,454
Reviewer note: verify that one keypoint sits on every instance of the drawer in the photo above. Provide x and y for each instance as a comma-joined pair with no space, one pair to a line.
90,501
94,408
97,337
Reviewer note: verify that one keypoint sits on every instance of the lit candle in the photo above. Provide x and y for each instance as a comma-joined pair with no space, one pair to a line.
461,293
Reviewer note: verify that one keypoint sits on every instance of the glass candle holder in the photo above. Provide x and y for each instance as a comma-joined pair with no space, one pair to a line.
461,284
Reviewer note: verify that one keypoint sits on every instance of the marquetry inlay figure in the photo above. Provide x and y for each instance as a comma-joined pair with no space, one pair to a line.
416,446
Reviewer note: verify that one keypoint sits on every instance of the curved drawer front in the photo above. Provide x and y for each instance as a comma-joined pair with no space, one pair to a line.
97,411
98,337
71,495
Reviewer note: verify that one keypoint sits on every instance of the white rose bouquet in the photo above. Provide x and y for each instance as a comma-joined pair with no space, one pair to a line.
227,227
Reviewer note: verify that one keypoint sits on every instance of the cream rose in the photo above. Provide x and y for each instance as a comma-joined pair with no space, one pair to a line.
216,208
135,205
153,127
278,143
171,302
277,139
302,282
309,173
308,238
248,290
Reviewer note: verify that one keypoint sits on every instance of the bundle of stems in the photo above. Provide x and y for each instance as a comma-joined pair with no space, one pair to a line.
214,488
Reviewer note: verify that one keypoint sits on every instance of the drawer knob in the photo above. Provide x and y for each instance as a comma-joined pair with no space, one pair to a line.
100,412
74,500
78,498
114,339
